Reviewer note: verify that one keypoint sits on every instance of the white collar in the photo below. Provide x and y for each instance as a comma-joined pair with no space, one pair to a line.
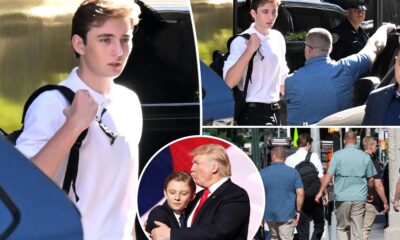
217,184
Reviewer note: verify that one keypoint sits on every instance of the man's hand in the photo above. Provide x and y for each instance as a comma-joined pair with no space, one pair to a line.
162,232
325,199
254,42
386,207
297,219
82,110
318,196
370,198
396,205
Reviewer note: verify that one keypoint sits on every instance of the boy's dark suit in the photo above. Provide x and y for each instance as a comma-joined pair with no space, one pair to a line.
162,213
225,215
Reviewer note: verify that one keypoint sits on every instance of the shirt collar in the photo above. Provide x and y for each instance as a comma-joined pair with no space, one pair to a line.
318,59
302,150
278,163
254,30
351,146
217,184
78,83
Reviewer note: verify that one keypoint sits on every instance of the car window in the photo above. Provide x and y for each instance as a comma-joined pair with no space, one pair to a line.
162,67
298,20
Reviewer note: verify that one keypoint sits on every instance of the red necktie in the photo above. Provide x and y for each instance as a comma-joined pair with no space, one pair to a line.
202,200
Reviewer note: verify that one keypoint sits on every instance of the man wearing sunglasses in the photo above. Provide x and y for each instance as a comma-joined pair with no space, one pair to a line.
107,176
323,86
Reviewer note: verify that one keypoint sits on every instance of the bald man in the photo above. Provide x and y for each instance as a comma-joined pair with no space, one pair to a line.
353,170
323,86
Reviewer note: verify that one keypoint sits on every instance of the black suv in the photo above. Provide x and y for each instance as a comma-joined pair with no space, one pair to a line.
162,69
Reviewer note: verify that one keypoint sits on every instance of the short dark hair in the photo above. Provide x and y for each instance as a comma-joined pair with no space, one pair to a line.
303,139
278,152
93,13
256,3
181,176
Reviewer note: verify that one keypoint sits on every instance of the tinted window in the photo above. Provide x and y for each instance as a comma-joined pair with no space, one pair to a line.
162,67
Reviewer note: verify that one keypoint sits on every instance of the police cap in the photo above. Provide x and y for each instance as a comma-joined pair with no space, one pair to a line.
357,4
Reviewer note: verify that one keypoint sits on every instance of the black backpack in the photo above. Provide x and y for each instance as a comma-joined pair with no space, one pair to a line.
73,160
218,64
309,176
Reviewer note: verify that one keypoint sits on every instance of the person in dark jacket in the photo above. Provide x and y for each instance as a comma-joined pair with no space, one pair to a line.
348,37
179,190
221,211
383,105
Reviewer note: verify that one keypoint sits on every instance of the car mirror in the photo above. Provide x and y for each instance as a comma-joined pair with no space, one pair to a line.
362,88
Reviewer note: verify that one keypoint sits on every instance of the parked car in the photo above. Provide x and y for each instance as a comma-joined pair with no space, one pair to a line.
32,206
162,70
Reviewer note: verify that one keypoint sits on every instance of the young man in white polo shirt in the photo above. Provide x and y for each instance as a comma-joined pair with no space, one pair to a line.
311,210
269,65
101,37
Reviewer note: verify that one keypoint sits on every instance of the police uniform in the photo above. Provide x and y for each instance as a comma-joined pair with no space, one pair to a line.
347,40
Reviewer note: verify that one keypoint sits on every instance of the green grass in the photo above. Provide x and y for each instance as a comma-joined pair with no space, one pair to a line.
10,115
301,36
217,42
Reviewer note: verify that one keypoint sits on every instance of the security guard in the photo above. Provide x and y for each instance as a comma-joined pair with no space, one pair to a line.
348,36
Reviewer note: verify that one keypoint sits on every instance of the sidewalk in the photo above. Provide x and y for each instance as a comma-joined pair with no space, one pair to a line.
376,233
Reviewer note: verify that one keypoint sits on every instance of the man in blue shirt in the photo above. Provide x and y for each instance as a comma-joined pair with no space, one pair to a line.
353,171
323,86
284,196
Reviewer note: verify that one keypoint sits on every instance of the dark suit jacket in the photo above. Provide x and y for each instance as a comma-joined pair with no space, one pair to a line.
162,213
224,216
377,105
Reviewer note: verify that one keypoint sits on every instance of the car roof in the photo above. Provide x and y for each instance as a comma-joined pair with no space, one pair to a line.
314,3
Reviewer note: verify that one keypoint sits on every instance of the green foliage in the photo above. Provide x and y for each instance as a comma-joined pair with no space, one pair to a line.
217,42
301,36
10,115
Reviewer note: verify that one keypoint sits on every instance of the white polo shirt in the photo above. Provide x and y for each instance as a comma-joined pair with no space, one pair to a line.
268,74
300,155
108,174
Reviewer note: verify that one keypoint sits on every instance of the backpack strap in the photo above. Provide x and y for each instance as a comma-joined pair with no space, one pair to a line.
308,157
249,67
73,160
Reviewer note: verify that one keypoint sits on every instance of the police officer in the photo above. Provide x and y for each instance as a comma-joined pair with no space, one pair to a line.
348,36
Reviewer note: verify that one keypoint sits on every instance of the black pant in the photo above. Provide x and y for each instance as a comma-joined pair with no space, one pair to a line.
311,211
260,115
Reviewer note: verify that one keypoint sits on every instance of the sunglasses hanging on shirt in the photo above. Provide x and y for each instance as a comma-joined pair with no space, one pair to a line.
112,135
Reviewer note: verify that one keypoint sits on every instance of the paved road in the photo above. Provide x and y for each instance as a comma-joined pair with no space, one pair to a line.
376,233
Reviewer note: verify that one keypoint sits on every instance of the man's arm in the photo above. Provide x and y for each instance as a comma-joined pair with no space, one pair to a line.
397,196
79,115
381,193
327,178
299,203
235,73
377,42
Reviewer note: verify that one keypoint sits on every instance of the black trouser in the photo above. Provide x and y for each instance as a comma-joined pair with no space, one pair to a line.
260,114
315,212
